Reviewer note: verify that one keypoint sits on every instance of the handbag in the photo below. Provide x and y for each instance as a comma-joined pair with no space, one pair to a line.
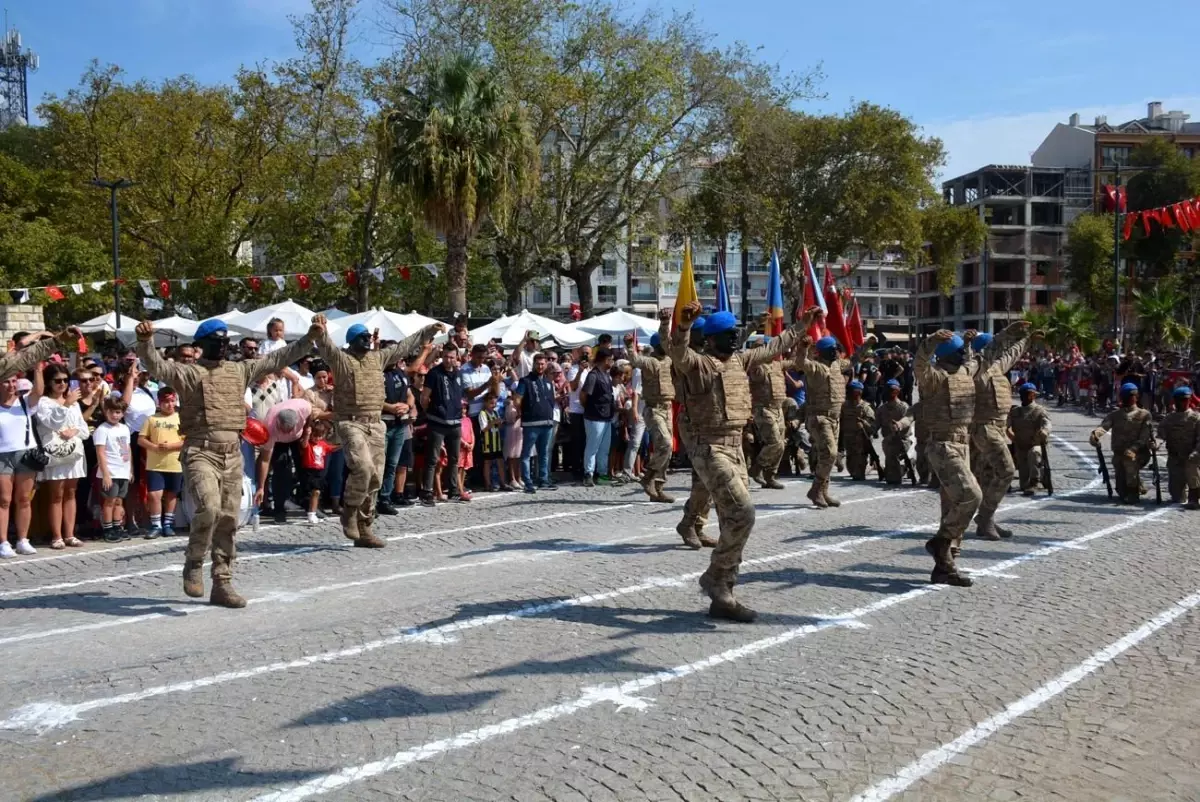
35,459
62,452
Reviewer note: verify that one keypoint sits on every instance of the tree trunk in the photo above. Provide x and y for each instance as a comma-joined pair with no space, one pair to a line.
513,300
456,270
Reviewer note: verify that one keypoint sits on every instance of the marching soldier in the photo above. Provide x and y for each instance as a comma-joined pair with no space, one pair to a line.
948,400
991,460
768,390
358,399
895,426
1029,427
717,393
658,392
1132,433
795,437
857,422
212,415
1180,429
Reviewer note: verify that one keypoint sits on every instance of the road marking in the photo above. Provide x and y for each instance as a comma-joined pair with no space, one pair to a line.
936,758
631,690
43,716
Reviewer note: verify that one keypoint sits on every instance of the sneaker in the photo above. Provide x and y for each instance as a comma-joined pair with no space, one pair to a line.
530,489
280,517
548,486
313,518
603,480
386,508
462,497
427,501
114,536
24,548
153,533
168,531
588,482
6,550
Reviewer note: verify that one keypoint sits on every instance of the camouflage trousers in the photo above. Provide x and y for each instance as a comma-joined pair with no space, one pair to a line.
1029,466
823,431
992,464
895,448
212,474
857,460
921,463
1127,479
1183,472
365,446
951,461
722,469
768,420
658,422
699,500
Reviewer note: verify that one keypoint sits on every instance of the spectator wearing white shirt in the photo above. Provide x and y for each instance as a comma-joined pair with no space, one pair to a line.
576,375
475,377
141,402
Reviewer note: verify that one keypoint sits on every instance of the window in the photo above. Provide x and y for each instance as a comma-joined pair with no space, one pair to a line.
908,282
858,281
891,310
893,283
541,295
910,310
608,269
670,288
1112,155
1041,298
607,295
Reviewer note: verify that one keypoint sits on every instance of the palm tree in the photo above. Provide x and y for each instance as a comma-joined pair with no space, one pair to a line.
1157,308
464,151
1067,323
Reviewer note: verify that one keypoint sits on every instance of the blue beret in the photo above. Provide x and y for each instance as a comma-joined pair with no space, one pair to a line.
719,322
655,340
981,341
1128,387
827,343
1028,387
209,328
855,385
893,383
950,347
355,331
1182,392
698,324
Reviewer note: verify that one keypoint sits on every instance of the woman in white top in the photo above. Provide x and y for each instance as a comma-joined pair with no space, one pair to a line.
16,479
58,413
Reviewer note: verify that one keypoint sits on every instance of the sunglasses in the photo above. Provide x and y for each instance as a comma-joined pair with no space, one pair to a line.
59,380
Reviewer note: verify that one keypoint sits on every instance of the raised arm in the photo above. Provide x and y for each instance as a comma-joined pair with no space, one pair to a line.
778,346
276,361
173,373
28,358
413,344
682,356
334,356
1006,349
868,343
923,364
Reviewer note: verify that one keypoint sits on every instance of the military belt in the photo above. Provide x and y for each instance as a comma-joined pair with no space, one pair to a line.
358,419
217,446
732,440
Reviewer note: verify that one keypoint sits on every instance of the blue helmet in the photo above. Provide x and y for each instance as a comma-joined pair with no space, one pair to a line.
855,385
1182,392
719,322
1028,387
893,383
1129,388
655,340
827,343
211,328
355,331
981,341
950,347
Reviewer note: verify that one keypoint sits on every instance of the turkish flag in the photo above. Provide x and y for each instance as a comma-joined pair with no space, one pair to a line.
164,288
303,281
854,326
210,280
405,273
351,278
1164,217
1130,219
54,293
255,283
1181,218
835,320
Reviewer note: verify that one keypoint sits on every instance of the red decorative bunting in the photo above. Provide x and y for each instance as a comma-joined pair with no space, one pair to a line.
255,283
164,288
54,293
351,278
1184,215
303,281
1130,219
405,273
211,280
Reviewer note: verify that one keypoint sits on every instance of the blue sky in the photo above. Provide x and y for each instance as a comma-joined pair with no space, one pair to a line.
990,79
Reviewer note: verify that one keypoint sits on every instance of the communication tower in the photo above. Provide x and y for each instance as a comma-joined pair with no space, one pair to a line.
15,66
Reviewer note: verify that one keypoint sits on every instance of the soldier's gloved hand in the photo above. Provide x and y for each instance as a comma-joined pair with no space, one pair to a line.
1095,438
689,313
317,329
941,335
1130,453
145,330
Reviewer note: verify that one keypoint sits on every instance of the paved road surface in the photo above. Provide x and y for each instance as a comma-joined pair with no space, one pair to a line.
556,648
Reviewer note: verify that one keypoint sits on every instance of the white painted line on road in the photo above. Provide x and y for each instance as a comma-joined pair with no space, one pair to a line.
43,716
934,759
590,697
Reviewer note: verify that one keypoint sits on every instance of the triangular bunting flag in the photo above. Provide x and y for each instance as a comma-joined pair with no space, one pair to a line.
1130,219
145,285
183,284
98,285
278,282
303,281
255,283
211,280
405,273
432,268
377,272
77,289
351,277
330,278
164,288
19,296
54,293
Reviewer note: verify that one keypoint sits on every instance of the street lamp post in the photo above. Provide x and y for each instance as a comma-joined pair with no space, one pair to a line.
113,187
1117,256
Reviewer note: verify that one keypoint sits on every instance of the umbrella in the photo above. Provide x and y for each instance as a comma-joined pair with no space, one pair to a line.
510,330
296,320
391,325
618,324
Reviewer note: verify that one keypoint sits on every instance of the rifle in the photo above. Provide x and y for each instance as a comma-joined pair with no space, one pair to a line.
1157,477
1047,481
1104,470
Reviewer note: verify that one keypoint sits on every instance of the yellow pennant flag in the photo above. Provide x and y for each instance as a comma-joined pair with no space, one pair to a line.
687,283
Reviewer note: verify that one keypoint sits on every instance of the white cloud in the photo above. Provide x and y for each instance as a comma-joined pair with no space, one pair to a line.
1011,139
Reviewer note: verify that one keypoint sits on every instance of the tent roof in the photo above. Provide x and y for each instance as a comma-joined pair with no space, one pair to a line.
618,324
511,330
296,319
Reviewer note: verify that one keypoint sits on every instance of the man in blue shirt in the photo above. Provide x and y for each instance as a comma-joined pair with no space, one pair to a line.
535,399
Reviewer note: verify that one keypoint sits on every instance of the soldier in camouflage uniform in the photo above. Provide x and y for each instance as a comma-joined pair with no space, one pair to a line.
768,390
1029,428
1180,430
947,389
658,392
212,415
358,399
1132,435
857,424
717,393
990,458
824,375
795,438
895,426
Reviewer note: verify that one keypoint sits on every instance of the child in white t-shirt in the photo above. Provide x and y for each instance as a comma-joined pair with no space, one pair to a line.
114,467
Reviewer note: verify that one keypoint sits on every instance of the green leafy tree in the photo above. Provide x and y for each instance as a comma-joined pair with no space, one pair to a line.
1169,177
951,233
1067,323
1158,307
1089,255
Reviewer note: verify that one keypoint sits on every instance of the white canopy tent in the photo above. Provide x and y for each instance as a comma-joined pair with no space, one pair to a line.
107,325
618,324
296,320
333,313
391,325
511,330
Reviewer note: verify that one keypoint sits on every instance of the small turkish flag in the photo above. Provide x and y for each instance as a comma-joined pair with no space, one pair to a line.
210,280
303,281
405,273
164,288
1130,219
351,278
255,283
54,293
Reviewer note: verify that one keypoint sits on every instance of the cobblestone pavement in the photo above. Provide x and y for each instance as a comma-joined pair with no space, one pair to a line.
556,648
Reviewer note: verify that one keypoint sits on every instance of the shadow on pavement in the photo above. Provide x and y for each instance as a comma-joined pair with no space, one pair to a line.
101,603
856,530
396,701
614,661
788,578
566,544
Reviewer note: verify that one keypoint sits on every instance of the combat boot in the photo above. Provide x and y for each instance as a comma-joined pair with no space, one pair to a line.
985,529
724,605
816,496
687,531
662,497
651,489
223,595
755,473
1002,531
707,541
366,536
349,518
193,578
830,500
771,483
1193,502
945,572
934,482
